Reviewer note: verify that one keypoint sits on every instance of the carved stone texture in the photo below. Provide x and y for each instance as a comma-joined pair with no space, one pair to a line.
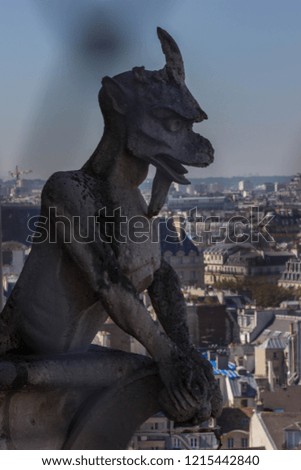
87,261
94,400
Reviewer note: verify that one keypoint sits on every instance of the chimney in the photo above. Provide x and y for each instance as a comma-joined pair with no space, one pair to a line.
222,360
271,375
211,355
179,223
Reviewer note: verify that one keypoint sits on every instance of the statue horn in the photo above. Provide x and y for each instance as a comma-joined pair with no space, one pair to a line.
174,62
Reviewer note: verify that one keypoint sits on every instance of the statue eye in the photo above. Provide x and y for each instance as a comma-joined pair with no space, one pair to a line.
174,124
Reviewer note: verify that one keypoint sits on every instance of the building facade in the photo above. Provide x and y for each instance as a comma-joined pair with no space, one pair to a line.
237,261
291,276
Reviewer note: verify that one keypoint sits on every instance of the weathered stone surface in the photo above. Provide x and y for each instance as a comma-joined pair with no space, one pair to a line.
80,401
87,263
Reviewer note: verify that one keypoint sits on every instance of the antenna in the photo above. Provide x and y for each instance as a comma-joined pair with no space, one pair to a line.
17,175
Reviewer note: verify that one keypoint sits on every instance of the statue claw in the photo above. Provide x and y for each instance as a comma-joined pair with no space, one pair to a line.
195,395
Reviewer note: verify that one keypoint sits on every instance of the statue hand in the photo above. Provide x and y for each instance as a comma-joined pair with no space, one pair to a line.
191,393
214,395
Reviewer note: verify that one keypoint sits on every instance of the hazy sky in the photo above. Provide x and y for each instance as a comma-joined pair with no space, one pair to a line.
242,61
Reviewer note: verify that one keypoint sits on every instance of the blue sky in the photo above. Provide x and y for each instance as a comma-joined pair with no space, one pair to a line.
242,61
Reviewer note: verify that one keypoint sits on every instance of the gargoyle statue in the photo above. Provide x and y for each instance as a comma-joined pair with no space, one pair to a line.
81,269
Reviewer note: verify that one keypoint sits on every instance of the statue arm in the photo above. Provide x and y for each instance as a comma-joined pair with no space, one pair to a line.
170,307
169,304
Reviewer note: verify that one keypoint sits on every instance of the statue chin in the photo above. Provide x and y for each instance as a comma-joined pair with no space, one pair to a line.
161,185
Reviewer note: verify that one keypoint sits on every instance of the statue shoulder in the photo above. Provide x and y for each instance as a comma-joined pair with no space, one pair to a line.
68,188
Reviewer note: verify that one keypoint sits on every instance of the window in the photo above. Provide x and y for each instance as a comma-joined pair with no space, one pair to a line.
155,426
176,443
194,442
292,439
244,442
7,257
230,443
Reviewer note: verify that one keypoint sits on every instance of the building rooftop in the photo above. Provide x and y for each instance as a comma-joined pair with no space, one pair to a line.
237,379
277,423
170,240
221,248
280,328
229,372
232,419
244,386
288,399
274,343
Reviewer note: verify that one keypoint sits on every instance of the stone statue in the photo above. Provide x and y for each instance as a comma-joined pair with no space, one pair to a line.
83,267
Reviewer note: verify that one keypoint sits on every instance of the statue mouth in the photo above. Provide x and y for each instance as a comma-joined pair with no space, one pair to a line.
173,168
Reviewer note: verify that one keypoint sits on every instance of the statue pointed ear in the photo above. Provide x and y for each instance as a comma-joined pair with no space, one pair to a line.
116,93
